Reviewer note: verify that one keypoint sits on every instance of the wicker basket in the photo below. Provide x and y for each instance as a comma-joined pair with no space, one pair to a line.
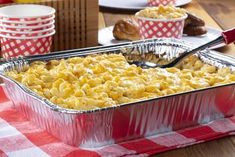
76,23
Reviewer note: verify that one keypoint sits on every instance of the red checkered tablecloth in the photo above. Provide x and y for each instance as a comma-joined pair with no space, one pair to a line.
19,137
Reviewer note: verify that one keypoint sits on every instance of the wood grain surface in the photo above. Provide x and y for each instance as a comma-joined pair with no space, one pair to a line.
219,14
222,11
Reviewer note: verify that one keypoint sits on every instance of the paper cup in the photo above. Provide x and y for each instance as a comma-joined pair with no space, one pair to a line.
28,11
25,47
161,28
29,29
27,34
153,3
27,19
24,25
27,22
32,37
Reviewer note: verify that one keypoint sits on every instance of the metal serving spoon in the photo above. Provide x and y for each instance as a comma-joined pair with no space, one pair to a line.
226,37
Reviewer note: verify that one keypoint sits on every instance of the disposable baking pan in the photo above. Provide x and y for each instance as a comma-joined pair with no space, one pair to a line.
99,127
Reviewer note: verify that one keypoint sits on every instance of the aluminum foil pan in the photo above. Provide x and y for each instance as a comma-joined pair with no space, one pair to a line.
100,127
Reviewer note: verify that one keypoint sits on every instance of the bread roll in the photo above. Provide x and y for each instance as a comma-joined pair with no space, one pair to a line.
126,29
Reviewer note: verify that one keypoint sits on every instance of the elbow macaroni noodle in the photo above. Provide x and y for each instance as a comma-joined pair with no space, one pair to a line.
108,80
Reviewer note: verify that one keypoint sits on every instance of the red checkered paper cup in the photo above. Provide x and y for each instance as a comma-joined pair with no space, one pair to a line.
29,24
161,28
26,29
20,34
22,20
26,12
152,3
16,23
16,47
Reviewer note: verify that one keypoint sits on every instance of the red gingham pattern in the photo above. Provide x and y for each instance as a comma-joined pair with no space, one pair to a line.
28,34
160,29
25,47
26,19
26,29
20,137
27,24
152,3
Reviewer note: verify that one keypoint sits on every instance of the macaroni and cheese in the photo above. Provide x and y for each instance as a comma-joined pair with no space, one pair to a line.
108,80
162,12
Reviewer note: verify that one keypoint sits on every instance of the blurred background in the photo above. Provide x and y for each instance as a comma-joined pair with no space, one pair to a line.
220,10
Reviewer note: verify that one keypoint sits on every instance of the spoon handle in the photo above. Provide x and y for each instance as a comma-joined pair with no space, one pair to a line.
226,37
229,36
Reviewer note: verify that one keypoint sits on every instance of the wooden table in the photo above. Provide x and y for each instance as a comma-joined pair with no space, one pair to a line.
221,11
222,18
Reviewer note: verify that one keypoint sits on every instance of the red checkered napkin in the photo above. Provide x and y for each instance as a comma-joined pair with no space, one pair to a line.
19,137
